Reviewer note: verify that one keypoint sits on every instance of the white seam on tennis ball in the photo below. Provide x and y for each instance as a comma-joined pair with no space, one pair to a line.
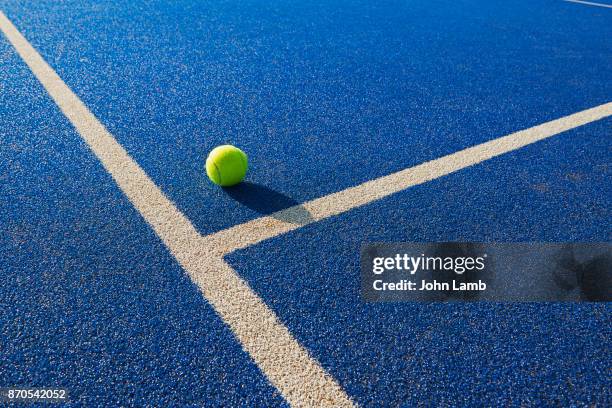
244,161
218,172
289,367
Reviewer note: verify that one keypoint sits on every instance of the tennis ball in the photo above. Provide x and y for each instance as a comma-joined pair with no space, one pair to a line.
226,165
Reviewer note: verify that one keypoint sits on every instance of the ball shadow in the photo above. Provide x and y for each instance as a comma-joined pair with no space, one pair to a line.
266,201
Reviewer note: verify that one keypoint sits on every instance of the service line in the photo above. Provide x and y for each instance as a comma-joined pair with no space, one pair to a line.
251,232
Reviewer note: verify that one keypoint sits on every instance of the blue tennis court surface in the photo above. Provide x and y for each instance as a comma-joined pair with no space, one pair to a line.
323,96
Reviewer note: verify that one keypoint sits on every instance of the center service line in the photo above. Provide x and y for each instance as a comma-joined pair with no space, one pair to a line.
287,365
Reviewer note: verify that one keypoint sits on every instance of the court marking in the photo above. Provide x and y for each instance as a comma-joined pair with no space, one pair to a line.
287,364
589,3
259,229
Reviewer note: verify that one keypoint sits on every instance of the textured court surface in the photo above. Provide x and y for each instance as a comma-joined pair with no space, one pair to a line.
323,95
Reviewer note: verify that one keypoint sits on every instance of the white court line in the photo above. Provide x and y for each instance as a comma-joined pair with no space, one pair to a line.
251,232
589,3
288,366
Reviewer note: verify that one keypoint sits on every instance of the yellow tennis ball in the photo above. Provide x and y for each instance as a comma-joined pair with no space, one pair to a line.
226,165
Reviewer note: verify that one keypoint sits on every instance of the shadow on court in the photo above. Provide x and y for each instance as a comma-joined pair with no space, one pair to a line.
266,201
